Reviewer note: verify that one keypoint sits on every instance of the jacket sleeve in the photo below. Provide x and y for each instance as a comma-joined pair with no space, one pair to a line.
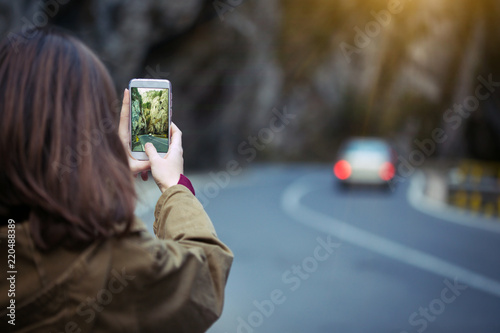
184,279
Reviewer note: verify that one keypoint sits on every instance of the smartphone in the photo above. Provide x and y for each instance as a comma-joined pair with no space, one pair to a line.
150,115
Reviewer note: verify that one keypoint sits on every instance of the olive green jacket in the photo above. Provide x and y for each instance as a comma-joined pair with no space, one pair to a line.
134,284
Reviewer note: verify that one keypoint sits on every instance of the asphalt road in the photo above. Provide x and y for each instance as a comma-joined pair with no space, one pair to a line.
161,144
312,258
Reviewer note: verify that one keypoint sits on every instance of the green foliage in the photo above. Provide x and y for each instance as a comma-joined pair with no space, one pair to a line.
136,112
154,116
136,95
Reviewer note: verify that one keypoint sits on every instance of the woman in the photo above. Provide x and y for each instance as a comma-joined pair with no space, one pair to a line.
78,259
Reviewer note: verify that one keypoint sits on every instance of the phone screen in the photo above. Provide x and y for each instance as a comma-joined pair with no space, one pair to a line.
150,118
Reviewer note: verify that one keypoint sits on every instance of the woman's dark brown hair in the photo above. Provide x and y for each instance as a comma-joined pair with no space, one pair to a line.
62,162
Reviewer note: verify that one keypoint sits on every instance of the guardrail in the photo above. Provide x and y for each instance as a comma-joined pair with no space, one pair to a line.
475,186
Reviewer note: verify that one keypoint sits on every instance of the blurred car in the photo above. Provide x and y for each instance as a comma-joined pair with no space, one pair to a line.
365,161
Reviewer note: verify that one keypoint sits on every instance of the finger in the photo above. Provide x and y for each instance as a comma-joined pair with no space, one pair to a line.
176,140
123,129
144,175
139,166
151,152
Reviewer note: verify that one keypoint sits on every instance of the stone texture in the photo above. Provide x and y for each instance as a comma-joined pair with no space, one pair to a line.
233,69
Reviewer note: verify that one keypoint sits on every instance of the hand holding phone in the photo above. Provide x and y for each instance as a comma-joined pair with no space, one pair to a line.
166,171
150,116
135,165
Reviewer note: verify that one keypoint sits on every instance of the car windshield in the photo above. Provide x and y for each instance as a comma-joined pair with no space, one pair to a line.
367,145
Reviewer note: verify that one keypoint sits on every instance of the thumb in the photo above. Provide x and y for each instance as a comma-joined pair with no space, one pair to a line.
151,151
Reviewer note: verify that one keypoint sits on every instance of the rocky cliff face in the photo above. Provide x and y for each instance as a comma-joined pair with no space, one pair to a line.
289,79
150,113
137,115
157,102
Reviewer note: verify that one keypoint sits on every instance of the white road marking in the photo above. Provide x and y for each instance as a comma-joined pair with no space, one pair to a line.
418,201
291,204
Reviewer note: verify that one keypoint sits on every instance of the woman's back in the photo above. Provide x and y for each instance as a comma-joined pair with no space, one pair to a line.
78,259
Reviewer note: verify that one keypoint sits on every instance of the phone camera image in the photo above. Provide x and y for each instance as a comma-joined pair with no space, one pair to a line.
149,118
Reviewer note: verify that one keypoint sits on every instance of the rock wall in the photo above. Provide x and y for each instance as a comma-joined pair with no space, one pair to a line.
158,112
137,114
290,79
149,112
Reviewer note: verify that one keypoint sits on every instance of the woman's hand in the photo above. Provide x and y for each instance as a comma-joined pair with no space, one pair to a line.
135,165
167,171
